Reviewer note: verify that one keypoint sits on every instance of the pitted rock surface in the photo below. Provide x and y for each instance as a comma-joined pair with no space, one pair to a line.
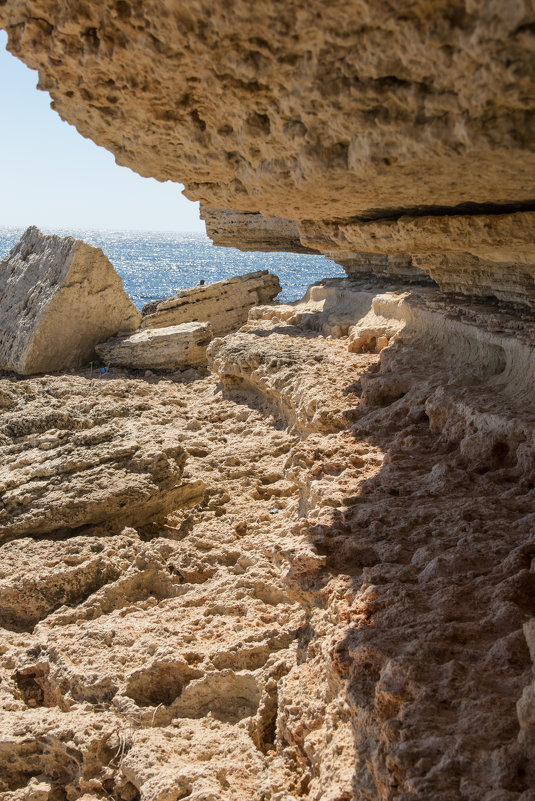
380,122
337,604
78,453
346,613
290,108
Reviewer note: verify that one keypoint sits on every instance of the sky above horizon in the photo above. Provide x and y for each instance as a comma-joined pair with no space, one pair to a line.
54,178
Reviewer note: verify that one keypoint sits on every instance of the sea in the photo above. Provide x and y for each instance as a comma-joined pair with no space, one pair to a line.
156,264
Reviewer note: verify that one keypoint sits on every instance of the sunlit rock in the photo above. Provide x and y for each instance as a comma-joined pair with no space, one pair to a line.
175,347
225,304
58,298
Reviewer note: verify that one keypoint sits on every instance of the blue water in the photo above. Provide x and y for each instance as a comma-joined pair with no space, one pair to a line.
156,264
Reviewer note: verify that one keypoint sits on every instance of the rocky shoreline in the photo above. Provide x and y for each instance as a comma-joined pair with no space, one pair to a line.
349,518
306,570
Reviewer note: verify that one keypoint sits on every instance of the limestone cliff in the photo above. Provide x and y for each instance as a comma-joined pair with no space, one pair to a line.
354,122
334,597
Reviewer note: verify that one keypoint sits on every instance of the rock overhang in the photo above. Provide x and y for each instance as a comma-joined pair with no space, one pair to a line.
291,121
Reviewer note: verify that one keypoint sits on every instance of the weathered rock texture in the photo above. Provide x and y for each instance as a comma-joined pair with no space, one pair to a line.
477,254
58,298
347,612
279,110
310,116
176,347
248,230
225,304
78,453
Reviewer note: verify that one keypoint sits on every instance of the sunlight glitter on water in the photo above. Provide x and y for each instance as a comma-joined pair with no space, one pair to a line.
156,264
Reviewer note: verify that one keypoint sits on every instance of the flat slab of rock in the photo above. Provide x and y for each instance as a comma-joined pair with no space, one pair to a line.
175,347
59,297
224,304
76,453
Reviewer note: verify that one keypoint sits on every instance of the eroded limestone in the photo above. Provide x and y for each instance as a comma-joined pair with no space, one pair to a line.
345,614
224,304
78,453
176,347
59,297
387,126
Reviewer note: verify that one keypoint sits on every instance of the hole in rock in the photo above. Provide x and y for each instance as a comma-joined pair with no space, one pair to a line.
30,689
197,120
57,794
258,124
160,684
227,696
499,452
35,757
382,394
268,721
184,793
20,611
123,9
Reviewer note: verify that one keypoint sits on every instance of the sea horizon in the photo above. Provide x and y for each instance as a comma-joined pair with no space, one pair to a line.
156,264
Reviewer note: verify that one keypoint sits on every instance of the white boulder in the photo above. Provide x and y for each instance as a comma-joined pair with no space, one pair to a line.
59,296
175,347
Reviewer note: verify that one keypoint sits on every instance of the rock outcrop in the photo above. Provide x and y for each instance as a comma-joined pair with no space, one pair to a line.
342,608
252,231
86,453
358,116
59,297
472,254
347,610
177,347
224,304
285,112
409,502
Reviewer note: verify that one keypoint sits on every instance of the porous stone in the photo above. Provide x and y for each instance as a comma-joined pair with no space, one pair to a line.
505,237
249,230
175,347
349,611
486,276
59,297
359,264
224,304
301,631
361,108
353,114
291,377
471,254
86,454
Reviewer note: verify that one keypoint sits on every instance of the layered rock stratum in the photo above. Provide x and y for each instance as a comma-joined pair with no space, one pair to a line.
59,297
342,607
172,348
225,305
353,127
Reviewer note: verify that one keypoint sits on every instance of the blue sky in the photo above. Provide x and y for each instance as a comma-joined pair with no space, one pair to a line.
50,176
